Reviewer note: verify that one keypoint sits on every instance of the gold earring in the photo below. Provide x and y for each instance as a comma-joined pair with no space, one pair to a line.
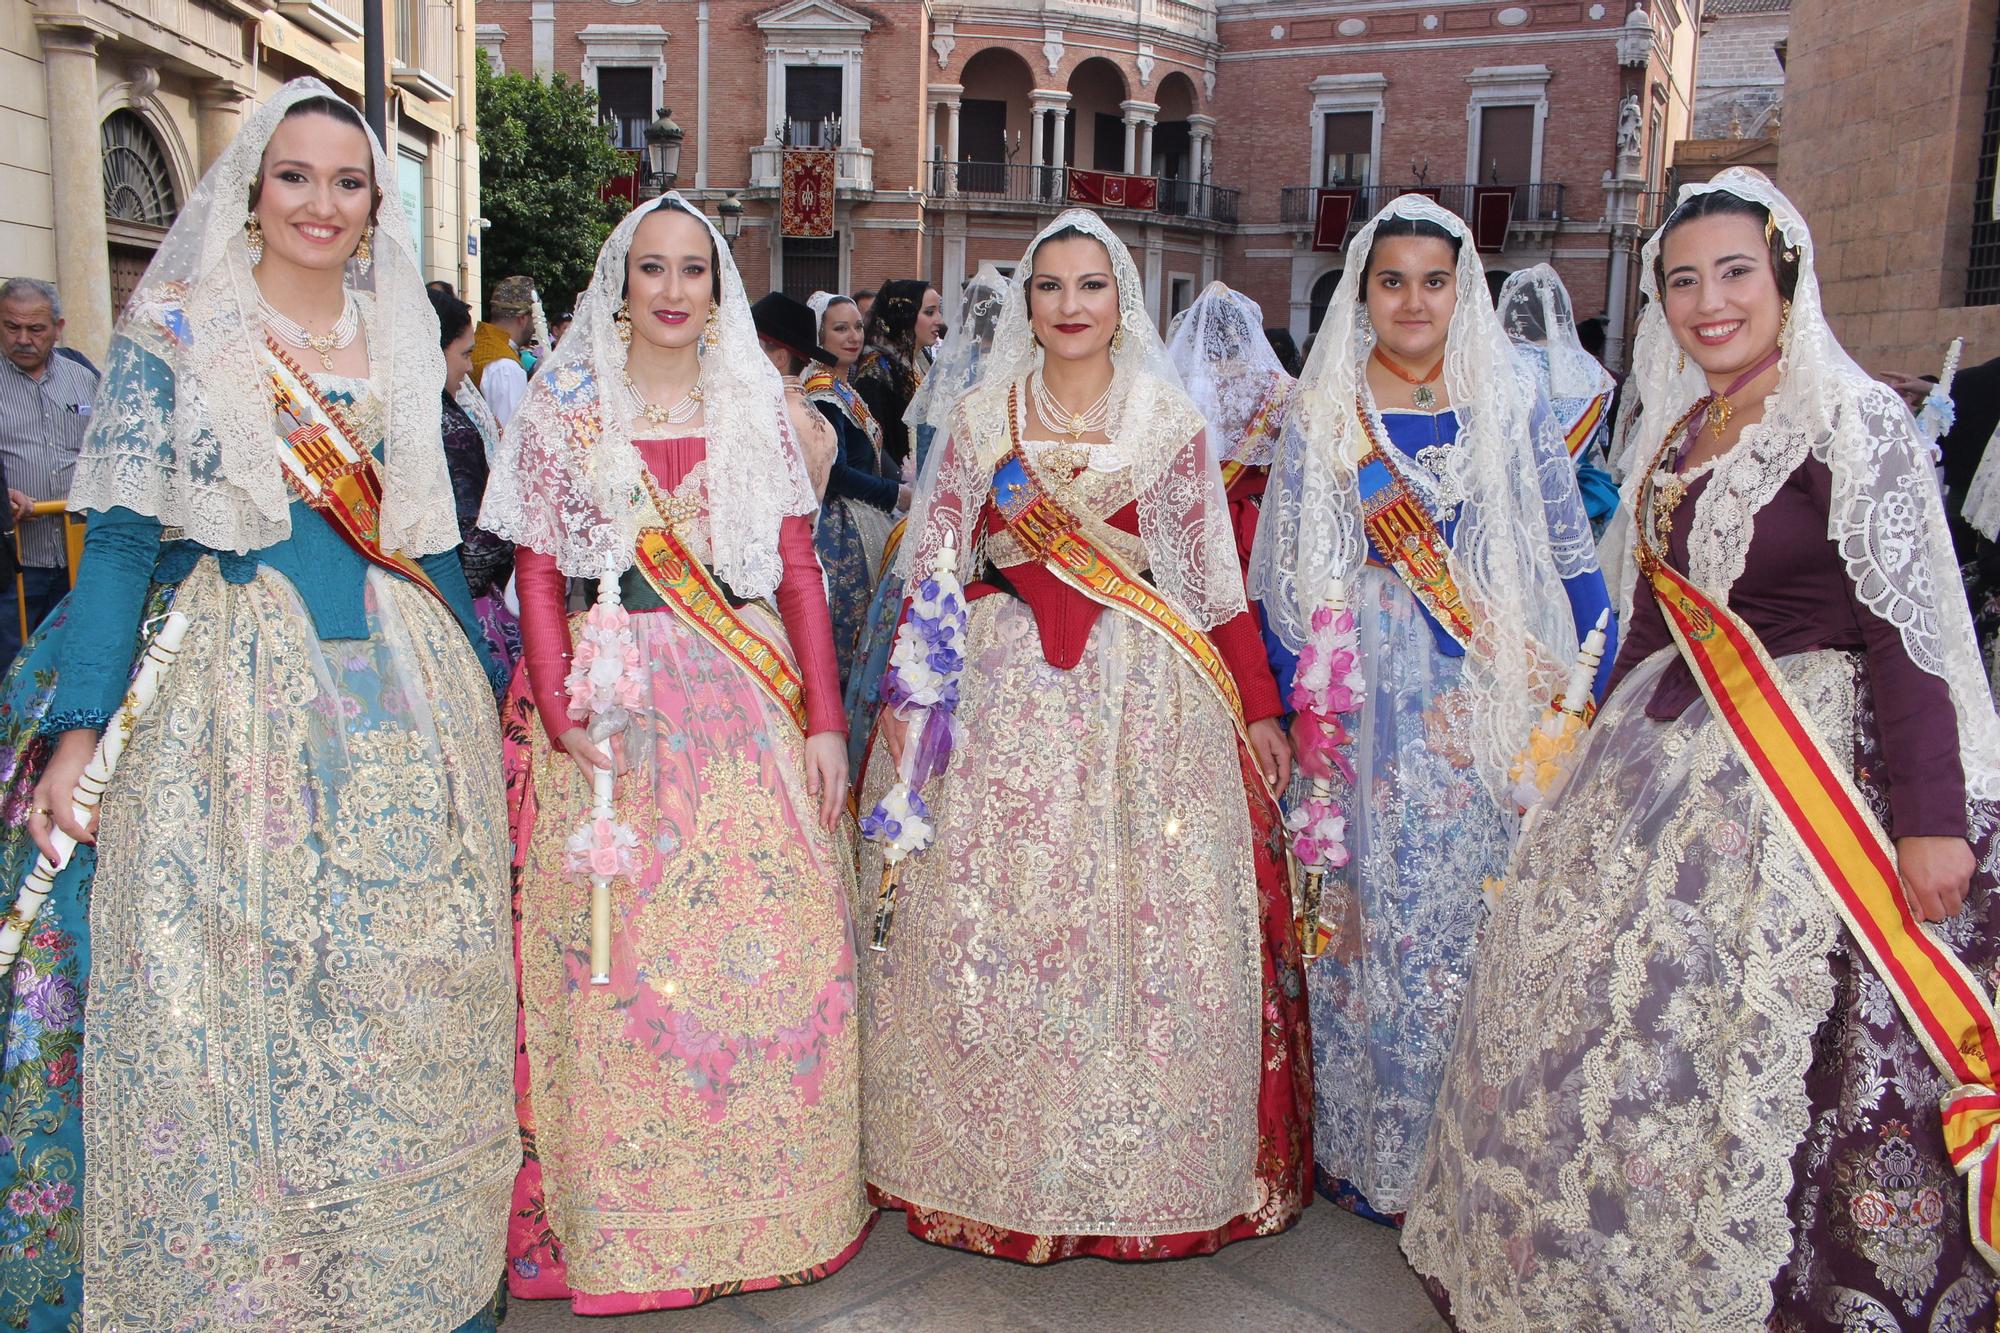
711,329
364,253
1784,323
621,324
1681,361
1118,339
253,240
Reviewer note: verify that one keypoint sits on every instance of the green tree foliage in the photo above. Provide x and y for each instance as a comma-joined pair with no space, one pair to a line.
543,158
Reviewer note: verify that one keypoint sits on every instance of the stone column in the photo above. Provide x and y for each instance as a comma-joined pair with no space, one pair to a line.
1038,120
542,38
1201,146
1145,148
1050,109
951,145
218,116
1061,137
76,168
1131,143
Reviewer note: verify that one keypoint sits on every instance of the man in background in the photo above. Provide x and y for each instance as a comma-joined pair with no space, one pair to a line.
497,344
45,405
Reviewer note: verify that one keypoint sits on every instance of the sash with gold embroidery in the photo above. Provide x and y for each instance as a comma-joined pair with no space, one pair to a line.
1054,536
332,469
688,590
1580,432
1853,863
1406,536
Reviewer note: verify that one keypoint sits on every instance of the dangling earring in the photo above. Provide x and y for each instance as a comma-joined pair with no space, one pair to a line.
1118,340
621,324
364,253
711,329
1680,361
1785,324
253,240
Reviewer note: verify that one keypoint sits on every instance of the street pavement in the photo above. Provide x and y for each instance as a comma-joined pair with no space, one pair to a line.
1332,1271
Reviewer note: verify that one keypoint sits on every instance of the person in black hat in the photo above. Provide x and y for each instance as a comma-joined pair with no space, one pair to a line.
790,337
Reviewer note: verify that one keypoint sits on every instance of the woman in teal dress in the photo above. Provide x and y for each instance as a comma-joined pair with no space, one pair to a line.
266,1083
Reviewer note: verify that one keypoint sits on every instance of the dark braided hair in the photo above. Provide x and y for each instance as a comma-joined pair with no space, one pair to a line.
892,320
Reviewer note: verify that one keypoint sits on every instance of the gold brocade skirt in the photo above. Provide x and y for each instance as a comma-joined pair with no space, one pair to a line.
299,1033
1064,1037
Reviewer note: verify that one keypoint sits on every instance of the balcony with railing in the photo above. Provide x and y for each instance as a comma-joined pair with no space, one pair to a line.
1536,205
334,20
853,165
423,62
1051,189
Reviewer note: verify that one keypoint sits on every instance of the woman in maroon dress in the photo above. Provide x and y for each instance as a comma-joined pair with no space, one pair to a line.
1087,1036
1683,1095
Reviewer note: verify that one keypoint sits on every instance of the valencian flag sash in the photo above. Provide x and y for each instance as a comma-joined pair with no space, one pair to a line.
1406,536
332,469
1580,432
688,590
1853,863
1055,537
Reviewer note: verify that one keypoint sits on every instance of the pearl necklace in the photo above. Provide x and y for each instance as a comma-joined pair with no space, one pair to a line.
1092,419
339,336
678,412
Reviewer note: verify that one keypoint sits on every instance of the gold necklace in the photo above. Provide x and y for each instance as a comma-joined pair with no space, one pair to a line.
1076,425
677,413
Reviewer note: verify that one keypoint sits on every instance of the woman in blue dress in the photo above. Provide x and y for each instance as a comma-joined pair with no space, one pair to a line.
1421,483
294,1016
951,374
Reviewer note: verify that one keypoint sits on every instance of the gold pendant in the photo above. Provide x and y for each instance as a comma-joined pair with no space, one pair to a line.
1422,397
1719,413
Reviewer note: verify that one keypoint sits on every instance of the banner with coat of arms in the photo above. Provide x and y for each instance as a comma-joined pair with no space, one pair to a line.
1109,189
805,208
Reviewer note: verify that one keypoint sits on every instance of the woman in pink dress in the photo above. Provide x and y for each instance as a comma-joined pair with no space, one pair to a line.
688,1086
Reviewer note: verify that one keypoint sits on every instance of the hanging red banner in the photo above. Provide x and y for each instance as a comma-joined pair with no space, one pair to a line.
1333,212
1108,189
1492,214
805,208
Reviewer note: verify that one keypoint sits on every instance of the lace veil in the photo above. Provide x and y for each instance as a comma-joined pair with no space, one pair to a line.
1218,348
1886,516
965,345
1520,533
568,482
193,444
1535,310
1157,431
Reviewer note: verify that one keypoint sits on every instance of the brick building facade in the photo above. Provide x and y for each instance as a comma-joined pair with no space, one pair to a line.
1892,119
965,124
115,108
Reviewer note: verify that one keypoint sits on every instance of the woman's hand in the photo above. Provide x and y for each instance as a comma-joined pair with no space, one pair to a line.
54,801
904,495
581,748
1936,874
826,774
895,731
1272,752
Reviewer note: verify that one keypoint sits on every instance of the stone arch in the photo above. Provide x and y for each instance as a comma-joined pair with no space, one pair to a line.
995,116
1096,136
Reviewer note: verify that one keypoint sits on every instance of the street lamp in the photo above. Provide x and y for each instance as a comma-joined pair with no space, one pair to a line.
663,150
731,212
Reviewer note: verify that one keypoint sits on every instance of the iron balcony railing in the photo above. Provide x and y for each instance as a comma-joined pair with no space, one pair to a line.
1053,187
1540,202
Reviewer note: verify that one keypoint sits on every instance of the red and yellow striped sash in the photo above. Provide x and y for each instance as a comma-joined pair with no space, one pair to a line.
1054,536
349,490
1579,434
1852,861
690,592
